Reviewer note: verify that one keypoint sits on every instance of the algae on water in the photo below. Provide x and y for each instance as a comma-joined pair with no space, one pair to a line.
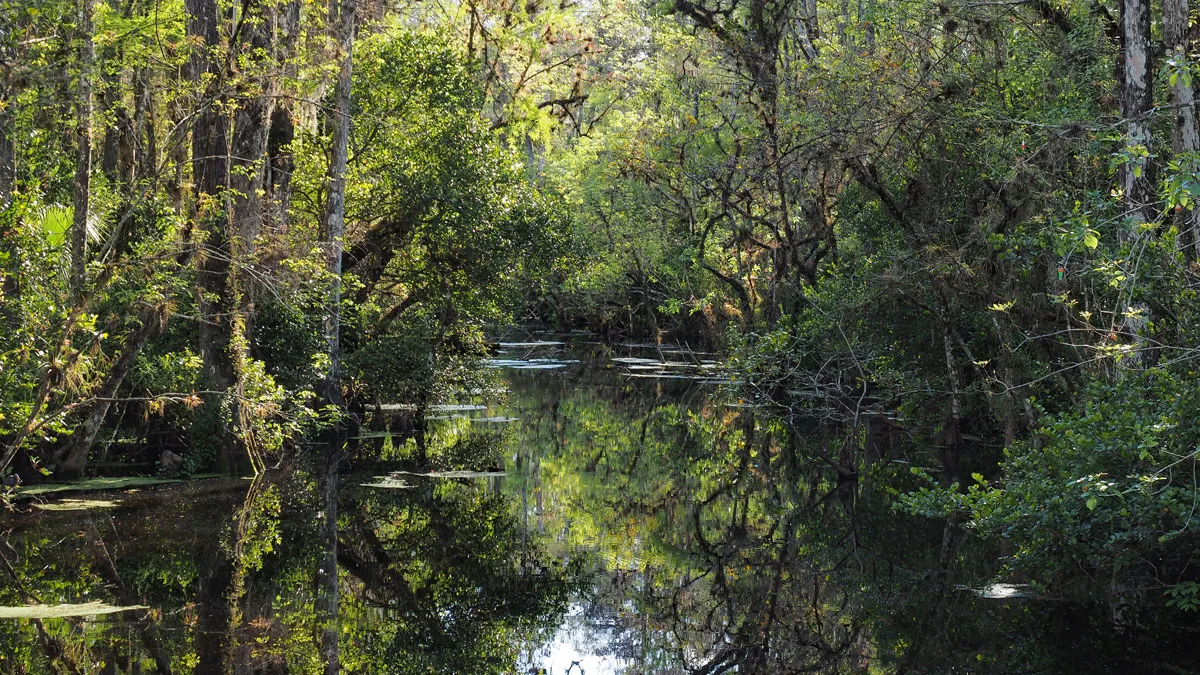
92,484
62,611
78,505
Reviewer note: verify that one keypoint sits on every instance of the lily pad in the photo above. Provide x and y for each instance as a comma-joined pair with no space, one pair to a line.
60,611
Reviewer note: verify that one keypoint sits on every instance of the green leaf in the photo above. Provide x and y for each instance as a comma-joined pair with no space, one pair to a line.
1091,503
1090,240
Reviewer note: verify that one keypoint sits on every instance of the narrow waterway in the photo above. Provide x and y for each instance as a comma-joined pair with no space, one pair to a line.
584,508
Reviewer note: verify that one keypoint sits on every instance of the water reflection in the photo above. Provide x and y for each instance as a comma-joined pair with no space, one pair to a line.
432,579
593,522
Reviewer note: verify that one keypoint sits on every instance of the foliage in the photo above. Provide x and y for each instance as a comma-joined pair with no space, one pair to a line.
1105,488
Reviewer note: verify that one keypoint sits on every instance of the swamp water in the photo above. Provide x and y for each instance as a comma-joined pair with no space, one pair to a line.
616,513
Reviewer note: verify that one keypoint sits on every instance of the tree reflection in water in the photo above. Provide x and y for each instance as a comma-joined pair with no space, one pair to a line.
724,538
433,579
674,532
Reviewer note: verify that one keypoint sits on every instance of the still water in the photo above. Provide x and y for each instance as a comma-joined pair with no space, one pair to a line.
593,509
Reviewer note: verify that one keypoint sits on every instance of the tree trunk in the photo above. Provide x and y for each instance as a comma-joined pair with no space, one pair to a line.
277,182
335,211
1185,137
249,147
145,145
110,146
11,290
248,160
952,420
8,153
252,125
1136,180
83,163
210,171
1136,103
176,148
810,18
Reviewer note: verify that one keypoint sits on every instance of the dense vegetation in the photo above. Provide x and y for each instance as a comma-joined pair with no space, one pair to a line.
961,234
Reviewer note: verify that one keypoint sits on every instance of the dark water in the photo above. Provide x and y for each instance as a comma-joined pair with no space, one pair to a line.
619,511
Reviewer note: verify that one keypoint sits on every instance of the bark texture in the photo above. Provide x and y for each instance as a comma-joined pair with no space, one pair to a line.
252,125
1137,182
1185,136
1136,103
210,171
8,154
83,161
335,212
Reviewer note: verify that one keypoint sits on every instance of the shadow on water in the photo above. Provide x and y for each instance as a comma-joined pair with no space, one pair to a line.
616,512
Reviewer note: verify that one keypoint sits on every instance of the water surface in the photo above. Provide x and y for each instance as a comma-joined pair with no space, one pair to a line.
618,509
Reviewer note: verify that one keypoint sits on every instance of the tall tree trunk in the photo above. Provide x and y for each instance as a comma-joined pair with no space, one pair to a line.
145,143
277,182
1135,175
335,211
10,289
252,125
110,145
810,18
866,18
1136,104
952,420
210,170
8,177
83,162
1185,136
8,152
248,160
